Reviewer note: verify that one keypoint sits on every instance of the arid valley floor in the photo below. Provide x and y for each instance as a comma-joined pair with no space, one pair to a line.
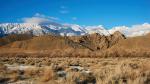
91,59
75,70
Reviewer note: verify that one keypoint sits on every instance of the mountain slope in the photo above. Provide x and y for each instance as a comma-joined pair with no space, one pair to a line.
50,42
88,45
14,37
132,43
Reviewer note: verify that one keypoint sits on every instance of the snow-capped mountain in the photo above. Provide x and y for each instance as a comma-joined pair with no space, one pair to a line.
70,29
134,30
57,29
97,29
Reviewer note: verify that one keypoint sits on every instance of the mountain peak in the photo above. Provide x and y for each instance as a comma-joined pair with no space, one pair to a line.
117,33
53,28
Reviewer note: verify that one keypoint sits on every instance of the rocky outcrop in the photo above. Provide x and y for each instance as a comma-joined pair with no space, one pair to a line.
99,42
115,38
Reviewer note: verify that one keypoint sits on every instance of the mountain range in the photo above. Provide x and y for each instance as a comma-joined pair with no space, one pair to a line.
53,28
70,29
71,39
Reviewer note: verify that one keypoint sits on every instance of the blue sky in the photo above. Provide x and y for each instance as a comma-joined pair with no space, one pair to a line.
83,12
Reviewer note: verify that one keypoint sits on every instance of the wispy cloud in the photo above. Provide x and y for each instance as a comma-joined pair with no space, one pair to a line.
63,10
36,20
44,16
74,18
63,7
39,19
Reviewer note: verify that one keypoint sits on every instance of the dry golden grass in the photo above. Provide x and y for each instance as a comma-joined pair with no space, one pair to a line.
124,63
14,76
48,74
125,72
102,71
31,72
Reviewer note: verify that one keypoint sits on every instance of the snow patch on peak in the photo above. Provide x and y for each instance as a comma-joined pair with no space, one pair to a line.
97,29
135,30
122,29
75,27
70,29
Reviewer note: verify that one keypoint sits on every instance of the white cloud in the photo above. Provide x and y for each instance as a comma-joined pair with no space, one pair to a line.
138,30
135,30
39,19
122,29
36,20
39,15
